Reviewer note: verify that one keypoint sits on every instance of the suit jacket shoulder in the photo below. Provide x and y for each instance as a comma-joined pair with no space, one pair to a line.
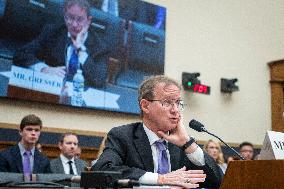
56,166
41,163
11,160
80,165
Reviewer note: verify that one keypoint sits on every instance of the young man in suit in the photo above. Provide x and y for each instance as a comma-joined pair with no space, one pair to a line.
159,150
67,163
61,49
24,157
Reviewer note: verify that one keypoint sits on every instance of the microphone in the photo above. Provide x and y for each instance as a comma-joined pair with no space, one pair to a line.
127,183
199,127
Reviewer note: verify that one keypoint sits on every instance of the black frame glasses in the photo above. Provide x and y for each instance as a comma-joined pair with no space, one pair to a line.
167,103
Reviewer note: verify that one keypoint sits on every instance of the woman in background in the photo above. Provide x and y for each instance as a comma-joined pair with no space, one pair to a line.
213,148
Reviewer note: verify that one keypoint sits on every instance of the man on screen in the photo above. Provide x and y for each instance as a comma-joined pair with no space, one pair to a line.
25,157
158,150
61,49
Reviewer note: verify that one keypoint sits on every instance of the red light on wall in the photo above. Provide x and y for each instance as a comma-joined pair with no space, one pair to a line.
199,88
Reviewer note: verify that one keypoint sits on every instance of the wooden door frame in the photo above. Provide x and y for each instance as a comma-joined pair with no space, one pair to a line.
277,95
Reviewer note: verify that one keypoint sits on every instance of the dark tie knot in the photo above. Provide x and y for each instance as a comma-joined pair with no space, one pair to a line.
161,145
70,162
27,153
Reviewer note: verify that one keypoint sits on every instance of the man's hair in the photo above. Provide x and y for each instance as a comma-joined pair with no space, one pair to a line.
61,139
245,144
146,89
30,120
81,3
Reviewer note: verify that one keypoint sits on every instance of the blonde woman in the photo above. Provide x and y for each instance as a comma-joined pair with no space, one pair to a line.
213,148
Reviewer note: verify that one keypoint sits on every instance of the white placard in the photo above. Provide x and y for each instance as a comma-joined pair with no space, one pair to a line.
29,79
273,146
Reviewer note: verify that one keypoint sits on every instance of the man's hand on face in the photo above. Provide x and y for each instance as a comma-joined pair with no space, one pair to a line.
58,71
79,41
183,177
177,136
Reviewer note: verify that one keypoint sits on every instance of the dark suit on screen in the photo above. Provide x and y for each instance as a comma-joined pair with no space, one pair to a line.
57,167
128,150
11,161
133,10
51,46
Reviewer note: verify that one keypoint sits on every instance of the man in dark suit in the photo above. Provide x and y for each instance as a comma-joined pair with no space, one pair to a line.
63,49
158,150
24,157
67,163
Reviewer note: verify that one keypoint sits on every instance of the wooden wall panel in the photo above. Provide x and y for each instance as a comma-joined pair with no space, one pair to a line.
277,95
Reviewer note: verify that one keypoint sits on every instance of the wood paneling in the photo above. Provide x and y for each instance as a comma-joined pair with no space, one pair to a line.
51,150
277,95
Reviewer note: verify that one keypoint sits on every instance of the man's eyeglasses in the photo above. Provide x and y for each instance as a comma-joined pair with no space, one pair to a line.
170,103
78,19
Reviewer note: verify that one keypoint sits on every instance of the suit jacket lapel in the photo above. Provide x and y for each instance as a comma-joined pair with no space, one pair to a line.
60,165
61,48
18,158
174,156
143,149
36,161
79,166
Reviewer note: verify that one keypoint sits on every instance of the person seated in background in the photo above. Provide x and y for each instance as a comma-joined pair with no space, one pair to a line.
159,150
66,163
62,49
24,157
39,147
246,150
213,148
78,152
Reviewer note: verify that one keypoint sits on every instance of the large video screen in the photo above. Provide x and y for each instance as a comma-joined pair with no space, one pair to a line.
71,55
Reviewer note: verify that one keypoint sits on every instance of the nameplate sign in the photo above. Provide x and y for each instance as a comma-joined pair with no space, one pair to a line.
29,79
273,146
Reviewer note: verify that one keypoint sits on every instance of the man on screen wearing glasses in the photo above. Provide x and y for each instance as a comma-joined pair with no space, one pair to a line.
61,49
158,150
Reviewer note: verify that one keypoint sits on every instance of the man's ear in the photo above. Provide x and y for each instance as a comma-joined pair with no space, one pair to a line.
144,104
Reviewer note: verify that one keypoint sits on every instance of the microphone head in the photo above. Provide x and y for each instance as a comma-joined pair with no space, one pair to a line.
196,125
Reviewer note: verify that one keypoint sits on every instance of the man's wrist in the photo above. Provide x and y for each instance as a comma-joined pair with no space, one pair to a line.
188,143
161,179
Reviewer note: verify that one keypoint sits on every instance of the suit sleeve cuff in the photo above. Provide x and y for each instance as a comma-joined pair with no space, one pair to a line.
197,157
149,178
38,66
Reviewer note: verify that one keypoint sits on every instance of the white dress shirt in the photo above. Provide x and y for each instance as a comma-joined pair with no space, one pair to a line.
197,158
82,56
66,165
22,151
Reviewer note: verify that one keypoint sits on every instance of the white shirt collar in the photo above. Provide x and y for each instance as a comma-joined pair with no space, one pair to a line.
22,149
85,37
65,159
152,137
